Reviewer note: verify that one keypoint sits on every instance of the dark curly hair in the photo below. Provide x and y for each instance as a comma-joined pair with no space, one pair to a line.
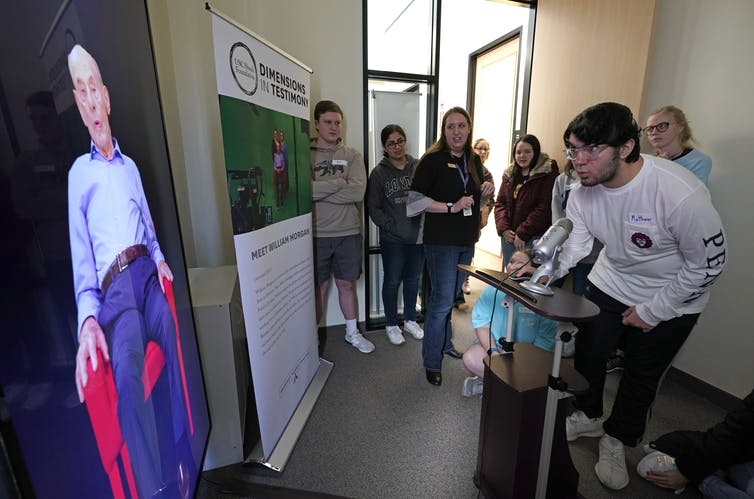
606,123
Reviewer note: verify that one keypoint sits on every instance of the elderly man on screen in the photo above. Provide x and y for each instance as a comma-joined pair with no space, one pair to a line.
118,270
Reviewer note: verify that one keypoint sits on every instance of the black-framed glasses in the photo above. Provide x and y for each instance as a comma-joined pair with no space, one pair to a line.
589,152
394,143
660,127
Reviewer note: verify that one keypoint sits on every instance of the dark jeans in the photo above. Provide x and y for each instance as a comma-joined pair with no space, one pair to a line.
400,263
460,277
579,275
442,261
647,358
133,313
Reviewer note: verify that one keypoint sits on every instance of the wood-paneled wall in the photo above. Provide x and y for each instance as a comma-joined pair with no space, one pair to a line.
586,52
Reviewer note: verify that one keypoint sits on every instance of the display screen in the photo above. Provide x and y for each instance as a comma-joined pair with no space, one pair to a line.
93,261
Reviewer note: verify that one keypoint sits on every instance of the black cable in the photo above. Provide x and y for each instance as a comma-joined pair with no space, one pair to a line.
508,274
492,316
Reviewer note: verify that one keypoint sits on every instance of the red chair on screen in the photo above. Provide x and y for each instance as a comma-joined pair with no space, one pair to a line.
101,400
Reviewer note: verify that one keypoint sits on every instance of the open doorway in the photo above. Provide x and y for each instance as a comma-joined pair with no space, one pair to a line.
493,88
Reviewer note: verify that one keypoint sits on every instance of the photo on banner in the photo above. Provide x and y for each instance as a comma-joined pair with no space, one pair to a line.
98,274
267,164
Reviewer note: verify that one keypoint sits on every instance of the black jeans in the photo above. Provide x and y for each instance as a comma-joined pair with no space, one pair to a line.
647,358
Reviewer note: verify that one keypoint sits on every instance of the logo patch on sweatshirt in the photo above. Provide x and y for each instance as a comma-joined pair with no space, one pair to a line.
641,240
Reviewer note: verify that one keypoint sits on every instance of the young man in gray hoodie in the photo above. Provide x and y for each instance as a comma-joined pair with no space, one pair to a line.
338,185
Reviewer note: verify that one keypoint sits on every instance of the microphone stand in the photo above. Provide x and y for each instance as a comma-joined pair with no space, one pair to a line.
506,345
556,390
556,386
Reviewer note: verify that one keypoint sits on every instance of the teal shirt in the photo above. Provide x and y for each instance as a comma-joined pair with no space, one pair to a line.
697,163
528,326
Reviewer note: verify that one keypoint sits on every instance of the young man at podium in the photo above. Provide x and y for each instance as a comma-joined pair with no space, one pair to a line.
490,321
664,248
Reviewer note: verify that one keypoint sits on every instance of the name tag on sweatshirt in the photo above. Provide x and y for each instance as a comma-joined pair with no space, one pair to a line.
641,218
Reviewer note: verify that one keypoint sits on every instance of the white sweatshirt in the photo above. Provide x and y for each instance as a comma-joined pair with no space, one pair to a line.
664,241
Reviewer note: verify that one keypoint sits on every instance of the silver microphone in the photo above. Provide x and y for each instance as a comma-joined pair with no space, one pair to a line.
545,254
547,245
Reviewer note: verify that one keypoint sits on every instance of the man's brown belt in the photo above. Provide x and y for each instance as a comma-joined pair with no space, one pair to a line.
122,261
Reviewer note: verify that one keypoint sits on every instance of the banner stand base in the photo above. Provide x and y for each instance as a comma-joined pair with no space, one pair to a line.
279,456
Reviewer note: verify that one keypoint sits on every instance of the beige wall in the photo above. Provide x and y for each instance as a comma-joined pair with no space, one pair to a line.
326,35
585,52
701,62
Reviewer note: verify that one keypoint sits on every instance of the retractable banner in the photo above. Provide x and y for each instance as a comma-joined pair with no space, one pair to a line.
264,111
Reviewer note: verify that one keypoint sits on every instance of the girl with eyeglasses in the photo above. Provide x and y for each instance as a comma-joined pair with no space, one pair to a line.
482,148
522,208
669,132
400,237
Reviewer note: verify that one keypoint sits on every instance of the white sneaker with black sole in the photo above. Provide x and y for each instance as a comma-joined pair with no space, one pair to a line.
358,341
579,424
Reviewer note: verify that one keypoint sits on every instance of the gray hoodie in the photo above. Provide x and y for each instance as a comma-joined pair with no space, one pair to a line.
387,193
338,183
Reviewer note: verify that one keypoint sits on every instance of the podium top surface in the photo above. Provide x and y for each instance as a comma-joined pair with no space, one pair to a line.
528,367
561,306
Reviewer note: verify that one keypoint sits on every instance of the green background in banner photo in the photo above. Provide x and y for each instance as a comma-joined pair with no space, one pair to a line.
258,195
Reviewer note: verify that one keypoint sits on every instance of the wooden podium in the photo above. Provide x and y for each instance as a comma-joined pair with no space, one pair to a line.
515,400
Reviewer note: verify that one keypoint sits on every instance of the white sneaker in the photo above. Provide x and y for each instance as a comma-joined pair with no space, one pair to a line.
414,329
394,335
611,466
472,385
466,287
656,461
579,425
362,344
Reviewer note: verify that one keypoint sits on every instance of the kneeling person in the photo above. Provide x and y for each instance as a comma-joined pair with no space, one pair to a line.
528,326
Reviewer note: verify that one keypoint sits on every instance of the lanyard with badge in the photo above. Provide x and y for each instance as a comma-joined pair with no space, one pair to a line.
464,174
